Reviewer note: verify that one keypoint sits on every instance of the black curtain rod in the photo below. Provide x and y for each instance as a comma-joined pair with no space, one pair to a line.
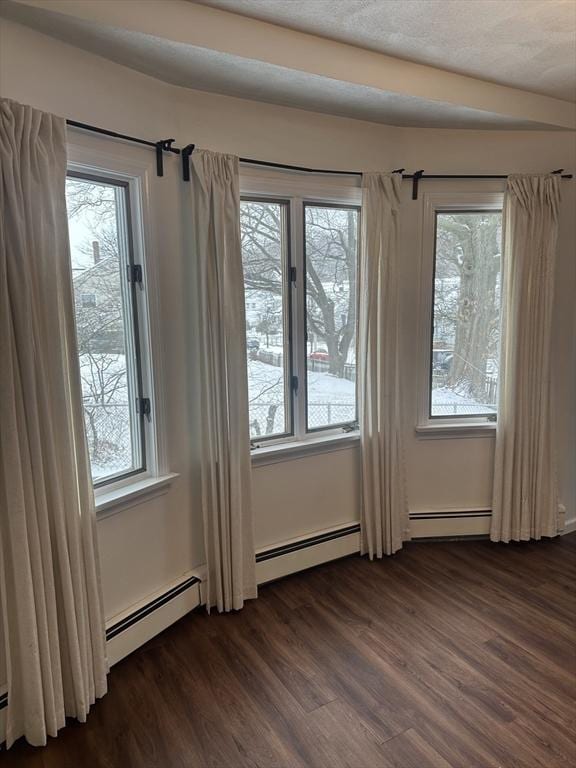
416,177
284,167
164,145
417,174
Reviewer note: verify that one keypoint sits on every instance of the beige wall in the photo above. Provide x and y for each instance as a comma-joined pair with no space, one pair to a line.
432,481
152,543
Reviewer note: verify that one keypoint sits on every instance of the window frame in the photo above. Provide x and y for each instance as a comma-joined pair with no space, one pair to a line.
125,227
130,167
343,425
456,201
299,189
287,316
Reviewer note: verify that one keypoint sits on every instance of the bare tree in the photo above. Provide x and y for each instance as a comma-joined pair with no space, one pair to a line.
331,246
100,320
466,295
331,250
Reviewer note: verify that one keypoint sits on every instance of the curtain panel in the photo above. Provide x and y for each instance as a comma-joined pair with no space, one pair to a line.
384,509
223,381
49,577
525,501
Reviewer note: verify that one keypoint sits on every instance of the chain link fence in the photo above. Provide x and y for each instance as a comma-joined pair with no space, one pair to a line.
109,437
269,418
457,409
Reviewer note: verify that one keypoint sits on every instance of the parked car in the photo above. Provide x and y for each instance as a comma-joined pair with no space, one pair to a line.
319,354
442,360
253,345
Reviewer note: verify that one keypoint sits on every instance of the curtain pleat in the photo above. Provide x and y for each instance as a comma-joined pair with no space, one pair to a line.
384,510
525,501
223,390
49,577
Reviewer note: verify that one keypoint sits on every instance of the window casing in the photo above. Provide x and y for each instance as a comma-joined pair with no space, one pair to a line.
460,310
330,258
307,363
110,296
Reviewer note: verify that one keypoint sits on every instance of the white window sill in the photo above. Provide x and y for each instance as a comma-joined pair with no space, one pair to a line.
453,430
298,449
110,502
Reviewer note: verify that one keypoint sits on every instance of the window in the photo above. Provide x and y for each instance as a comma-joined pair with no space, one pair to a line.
105,283
265,261
88,299
463,361
331,250
300,259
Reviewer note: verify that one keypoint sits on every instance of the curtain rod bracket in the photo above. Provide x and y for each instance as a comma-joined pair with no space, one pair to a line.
186,152
164,145
415,179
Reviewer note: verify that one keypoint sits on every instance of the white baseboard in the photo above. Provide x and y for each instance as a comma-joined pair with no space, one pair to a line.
446,523
142,621
306,551
127,631
4,700
569,526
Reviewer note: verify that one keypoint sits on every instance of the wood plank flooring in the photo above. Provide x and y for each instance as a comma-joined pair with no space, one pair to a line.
448,655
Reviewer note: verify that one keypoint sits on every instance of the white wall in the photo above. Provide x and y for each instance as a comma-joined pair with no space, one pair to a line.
153,543
450,473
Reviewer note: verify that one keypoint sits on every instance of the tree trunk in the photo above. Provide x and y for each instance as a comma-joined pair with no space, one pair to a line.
476,311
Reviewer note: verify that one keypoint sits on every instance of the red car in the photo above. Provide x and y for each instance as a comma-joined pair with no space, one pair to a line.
320,354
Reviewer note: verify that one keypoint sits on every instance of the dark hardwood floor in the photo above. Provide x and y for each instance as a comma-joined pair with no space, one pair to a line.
456,654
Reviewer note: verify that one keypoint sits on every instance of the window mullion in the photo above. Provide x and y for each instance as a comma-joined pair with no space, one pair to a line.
298,318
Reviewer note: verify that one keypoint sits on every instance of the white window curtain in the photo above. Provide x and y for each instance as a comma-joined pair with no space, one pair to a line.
525,502
52,616
223,385
384,509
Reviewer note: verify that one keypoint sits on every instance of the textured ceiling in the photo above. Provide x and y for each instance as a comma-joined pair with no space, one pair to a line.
205,69
526,44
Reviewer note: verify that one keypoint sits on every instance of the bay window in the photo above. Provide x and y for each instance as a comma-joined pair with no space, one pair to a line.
300,258
106,282
463,243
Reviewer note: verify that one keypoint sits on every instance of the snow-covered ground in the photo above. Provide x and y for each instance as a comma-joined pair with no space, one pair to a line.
331,400
107,413
446,402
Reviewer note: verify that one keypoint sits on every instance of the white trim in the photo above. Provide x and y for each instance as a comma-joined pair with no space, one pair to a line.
155,622
461,197
451,430
304,185
297,189
450,521
85,154
293,562
298,287
301,559
298,449
109,502
450,511
447,528
569,526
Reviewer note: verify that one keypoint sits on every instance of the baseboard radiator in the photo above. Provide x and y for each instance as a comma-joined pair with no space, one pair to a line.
132,628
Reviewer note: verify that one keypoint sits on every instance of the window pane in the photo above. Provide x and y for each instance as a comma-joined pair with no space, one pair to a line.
263,227
331,242
97,219
466,320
